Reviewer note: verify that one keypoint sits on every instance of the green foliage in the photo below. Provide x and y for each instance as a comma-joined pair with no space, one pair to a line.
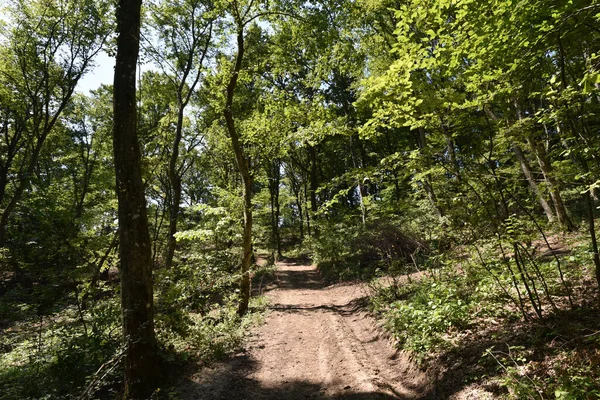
421,314
576,378
572,376
382,137
56,356
217,334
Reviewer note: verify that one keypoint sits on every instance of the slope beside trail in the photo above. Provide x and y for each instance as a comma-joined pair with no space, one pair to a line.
316,342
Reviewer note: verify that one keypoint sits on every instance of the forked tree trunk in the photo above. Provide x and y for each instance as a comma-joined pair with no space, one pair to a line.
141,370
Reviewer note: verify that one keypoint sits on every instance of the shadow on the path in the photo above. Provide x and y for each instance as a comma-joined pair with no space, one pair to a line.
229,381
247,389
343,309
289,279
303,260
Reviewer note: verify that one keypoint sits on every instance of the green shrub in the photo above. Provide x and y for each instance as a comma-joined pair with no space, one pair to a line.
346,251
55,356
419,322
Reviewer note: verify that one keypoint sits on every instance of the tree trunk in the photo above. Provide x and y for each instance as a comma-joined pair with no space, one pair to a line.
246,248
308,228
313,186
546,168
300,215
296,188
175,182
141,369
274,179
359,182
175,173
244,167
532,183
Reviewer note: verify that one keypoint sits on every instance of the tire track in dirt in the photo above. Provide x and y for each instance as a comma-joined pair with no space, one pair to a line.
316,342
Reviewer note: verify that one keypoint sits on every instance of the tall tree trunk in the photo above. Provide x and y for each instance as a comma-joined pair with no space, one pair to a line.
274,179
532,183
141,369
173,217
296,188
300,215
175,178
308,228
243,164
313,186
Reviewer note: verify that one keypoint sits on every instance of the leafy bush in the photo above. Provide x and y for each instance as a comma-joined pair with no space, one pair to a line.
344,251
431,308
56,355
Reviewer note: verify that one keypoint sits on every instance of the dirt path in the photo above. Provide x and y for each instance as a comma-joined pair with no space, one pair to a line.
317,342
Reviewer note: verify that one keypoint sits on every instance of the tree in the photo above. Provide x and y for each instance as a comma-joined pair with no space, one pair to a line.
185,33
243,162
49,47
141,369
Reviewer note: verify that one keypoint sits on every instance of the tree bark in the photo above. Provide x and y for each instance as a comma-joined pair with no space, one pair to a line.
243,164
141,369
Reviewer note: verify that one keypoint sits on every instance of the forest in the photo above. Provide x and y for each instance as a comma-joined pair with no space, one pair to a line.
443,154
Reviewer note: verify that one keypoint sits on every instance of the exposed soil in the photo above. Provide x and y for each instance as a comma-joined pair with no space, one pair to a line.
316,342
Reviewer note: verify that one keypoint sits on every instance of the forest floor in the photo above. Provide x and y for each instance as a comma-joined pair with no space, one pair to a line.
317,342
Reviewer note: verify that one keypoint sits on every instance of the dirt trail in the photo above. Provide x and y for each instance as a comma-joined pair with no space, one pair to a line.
316,342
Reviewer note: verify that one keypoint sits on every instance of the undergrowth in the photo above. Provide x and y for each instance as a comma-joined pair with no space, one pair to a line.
75,353
472,318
